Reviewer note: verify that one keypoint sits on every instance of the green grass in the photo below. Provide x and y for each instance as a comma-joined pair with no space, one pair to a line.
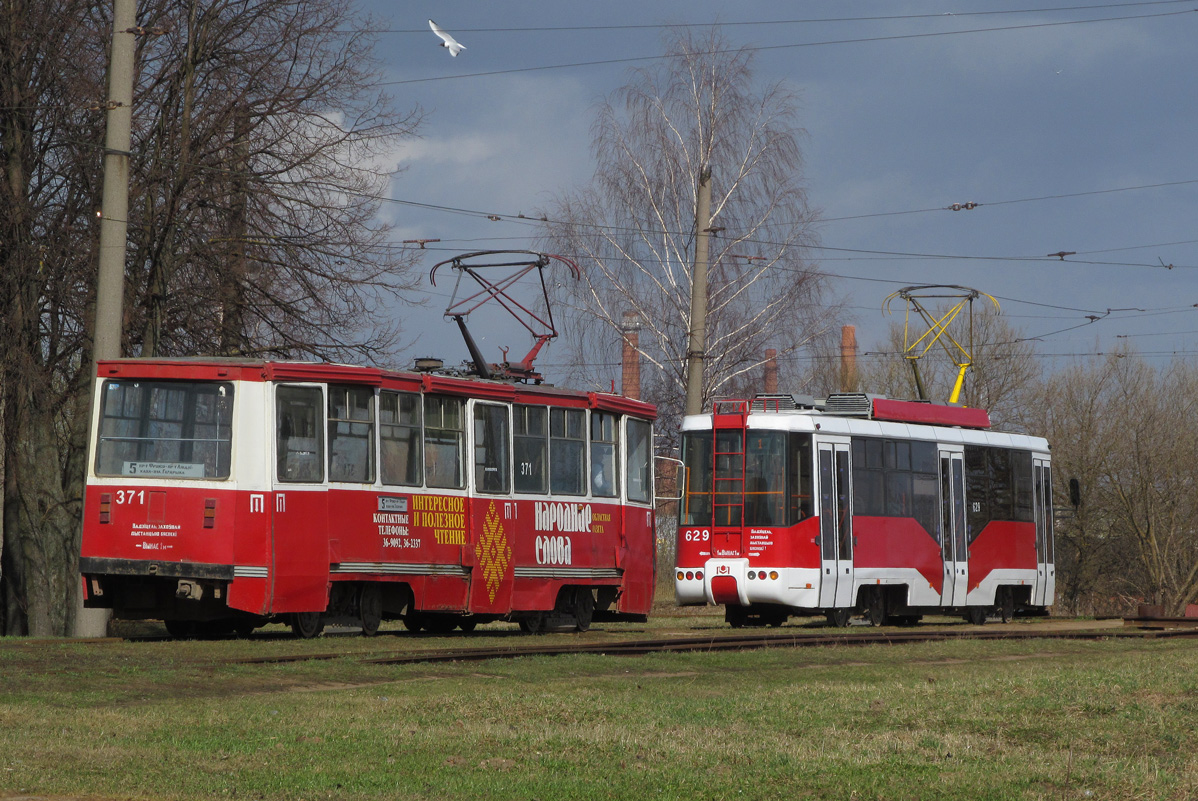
965,720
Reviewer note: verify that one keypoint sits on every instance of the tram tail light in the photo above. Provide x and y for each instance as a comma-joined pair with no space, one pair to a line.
210,513
681,575
773,575
106,507
699,575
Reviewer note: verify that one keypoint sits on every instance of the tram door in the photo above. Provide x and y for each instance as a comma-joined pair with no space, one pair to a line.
1043,592
836,525
954,548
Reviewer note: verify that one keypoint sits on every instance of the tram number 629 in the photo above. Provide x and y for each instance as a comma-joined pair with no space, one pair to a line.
702,535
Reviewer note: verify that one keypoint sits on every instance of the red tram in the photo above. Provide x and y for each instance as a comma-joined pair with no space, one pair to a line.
224,494
860,504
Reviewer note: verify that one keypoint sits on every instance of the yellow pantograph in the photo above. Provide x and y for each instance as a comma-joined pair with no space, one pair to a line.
938,323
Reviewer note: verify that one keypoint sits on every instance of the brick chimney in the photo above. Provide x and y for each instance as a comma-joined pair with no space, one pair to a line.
771,372
630,381
848,359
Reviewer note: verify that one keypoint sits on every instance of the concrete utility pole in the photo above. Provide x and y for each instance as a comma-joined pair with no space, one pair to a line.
698,333
114,220
114,226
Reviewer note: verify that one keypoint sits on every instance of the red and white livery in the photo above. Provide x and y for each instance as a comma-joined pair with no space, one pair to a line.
223,494
860,504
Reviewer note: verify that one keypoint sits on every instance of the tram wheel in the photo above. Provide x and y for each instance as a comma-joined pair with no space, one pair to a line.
467,624
736,616
370,609
534,623
1006,606
976,615
584,608
877,609
413,621
307,624
838,618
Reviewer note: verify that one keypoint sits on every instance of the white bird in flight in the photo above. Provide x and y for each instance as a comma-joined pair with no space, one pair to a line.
447,40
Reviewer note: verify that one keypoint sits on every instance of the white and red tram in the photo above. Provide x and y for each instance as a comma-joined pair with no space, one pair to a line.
223,494
861,504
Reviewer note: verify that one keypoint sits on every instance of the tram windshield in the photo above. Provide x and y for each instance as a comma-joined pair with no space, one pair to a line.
165,429
775,467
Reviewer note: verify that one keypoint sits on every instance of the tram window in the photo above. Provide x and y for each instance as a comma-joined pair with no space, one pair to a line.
896,478
351,434
695,509
531,446
567,451
444,442
491,448
299,434
798,475
765,478
399,436
999,486
165,429
1021,476
898,494
604,455
639,467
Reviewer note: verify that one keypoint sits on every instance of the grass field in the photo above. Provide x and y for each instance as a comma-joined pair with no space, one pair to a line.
966,720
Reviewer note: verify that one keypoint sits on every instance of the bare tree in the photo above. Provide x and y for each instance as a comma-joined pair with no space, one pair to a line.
1123,429
253,227
633,228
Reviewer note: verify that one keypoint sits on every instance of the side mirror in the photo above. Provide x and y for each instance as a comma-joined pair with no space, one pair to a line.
1075,493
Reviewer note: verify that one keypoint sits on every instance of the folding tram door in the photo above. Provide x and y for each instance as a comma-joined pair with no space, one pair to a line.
954,548
836,529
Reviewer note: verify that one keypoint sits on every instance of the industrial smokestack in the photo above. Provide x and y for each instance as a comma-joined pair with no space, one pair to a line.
771,372
848,359
630,378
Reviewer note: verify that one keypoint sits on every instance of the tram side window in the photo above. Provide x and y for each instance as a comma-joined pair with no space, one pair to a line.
896,478
567,451
491,448
351,434
165,429
639,467
299,434
444,442
695,509
530,443
399,435
604,456
798,476
765,478
998,486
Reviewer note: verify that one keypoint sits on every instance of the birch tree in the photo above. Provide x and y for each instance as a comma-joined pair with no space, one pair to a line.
253,193
633,228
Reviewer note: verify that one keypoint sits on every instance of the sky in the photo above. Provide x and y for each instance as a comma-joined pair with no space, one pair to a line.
1072,125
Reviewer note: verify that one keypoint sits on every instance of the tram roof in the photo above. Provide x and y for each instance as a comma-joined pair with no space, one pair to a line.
260,370
879,417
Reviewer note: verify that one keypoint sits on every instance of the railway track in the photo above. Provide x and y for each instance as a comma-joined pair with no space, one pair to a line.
727,642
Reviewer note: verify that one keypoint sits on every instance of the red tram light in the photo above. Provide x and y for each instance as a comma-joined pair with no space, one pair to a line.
106,507
699,575
210,513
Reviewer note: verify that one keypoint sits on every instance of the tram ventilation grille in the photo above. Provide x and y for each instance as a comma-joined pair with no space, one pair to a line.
850,404
780,403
